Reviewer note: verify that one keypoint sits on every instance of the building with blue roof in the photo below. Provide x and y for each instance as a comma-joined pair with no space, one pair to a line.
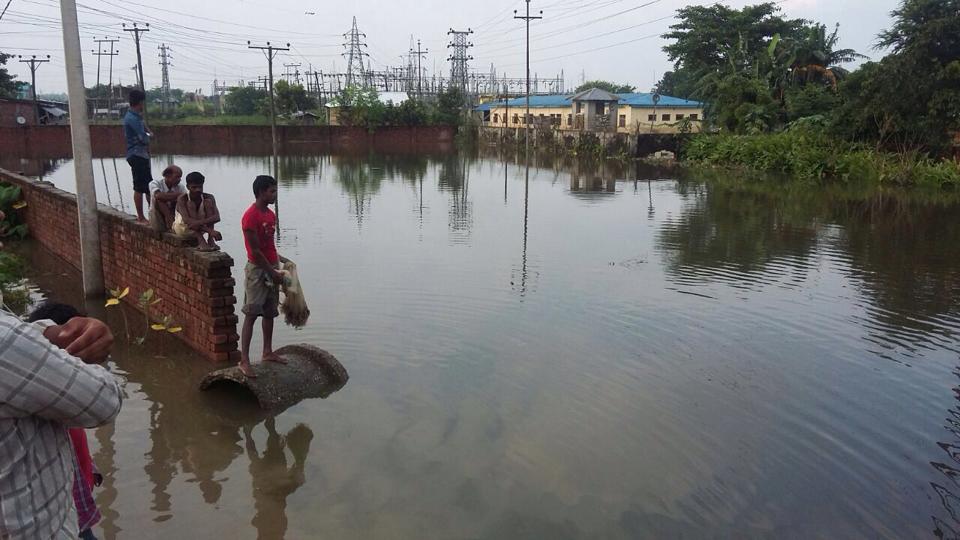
596,110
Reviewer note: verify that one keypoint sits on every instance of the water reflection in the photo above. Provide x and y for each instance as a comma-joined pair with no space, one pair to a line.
273,480
605,405
454,179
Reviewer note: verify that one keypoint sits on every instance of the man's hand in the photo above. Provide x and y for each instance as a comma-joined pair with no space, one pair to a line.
86,338
277,276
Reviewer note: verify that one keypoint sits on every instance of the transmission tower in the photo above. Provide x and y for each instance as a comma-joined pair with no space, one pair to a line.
165,77
354,55
459,58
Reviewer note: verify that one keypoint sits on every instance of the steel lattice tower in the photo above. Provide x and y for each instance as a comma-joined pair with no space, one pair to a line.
459,58
354,55
165,76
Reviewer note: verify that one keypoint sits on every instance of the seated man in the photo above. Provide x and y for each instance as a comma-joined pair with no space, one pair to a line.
164,193
197,213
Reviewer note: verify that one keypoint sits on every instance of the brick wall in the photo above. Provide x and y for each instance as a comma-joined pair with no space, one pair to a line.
196,288
107,140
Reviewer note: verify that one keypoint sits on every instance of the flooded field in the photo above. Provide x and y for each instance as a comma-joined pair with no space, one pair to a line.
573,352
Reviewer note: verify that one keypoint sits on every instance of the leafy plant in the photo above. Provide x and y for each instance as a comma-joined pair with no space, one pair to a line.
145,302
10,201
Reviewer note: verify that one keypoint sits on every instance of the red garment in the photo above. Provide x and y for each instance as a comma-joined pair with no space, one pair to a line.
79,439
264,225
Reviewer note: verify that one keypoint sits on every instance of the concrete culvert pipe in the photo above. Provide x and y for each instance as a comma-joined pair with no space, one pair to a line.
310,372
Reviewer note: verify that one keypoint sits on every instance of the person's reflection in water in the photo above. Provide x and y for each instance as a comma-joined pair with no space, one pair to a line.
273,482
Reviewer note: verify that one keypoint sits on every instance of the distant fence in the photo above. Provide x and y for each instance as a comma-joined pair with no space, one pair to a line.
108,140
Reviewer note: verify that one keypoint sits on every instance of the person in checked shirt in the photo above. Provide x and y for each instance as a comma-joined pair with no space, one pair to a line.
48,383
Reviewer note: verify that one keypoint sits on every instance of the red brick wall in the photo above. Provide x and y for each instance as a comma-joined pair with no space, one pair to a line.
196,288
107,140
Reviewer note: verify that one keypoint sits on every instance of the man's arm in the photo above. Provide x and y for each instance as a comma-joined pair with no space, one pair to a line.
40,379
213,214
259,258
140,127
169,196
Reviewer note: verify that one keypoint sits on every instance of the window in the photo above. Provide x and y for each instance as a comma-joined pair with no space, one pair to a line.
516,119
694,116
496,118
665,118
579,105
623,120
651,118
679,117
570,119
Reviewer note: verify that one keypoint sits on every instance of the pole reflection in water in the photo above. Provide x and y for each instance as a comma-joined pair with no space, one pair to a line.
106,186
116,175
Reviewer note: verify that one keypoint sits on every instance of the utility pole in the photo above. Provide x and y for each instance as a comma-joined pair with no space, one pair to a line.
165,77
91,263
295,73
99,54
136,38
419,53
271,52
34,64
527,18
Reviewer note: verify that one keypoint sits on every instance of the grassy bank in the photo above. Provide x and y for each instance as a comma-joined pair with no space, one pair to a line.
811,156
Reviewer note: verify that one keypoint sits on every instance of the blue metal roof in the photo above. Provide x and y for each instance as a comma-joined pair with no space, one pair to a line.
563,100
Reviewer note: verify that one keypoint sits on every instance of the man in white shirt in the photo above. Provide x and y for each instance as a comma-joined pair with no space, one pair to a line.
47,384
164,193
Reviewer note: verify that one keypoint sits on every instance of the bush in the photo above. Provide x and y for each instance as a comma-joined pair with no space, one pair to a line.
807,154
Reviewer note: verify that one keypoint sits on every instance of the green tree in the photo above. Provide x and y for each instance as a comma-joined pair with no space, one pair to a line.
450,107
911,98
611,87
717,38
8,82
290,98
818,59
360,106
678,83
244,100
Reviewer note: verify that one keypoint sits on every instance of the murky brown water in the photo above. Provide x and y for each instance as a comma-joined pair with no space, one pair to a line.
583,355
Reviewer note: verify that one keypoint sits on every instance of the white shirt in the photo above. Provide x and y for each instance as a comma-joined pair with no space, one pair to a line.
161,185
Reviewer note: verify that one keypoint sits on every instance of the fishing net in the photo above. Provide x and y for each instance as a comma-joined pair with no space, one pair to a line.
294,306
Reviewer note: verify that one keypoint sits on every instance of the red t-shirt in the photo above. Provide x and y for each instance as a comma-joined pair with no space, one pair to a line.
264,225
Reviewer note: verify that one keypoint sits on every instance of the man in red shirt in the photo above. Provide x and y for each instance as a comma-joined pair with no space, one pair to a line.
263,277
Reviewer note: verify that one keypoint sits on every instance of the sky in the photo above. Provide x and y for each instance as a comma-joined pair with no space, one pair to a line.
615,40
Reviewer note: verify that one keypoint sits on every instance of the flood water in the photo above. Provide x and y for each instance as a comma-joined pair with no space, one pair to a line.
580,353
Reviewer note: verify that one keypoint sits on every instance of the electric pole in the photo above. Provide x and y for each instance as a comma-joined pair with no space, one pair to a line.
91,262
34,64
101,53
165,77
419,54
136,38
295,73
271,52
527,18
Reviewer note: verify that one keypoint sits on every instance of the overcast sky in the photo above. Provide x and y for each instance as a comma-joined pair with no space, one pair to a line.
602,39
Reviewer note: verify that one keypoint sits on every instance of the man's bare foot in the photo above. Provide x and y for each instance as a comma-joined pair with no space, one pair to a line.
142,220
247,370
273,357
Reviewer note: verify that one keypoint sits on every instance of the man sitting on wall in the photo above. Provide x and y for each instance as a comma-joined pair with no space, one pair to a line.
197,213
165,192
